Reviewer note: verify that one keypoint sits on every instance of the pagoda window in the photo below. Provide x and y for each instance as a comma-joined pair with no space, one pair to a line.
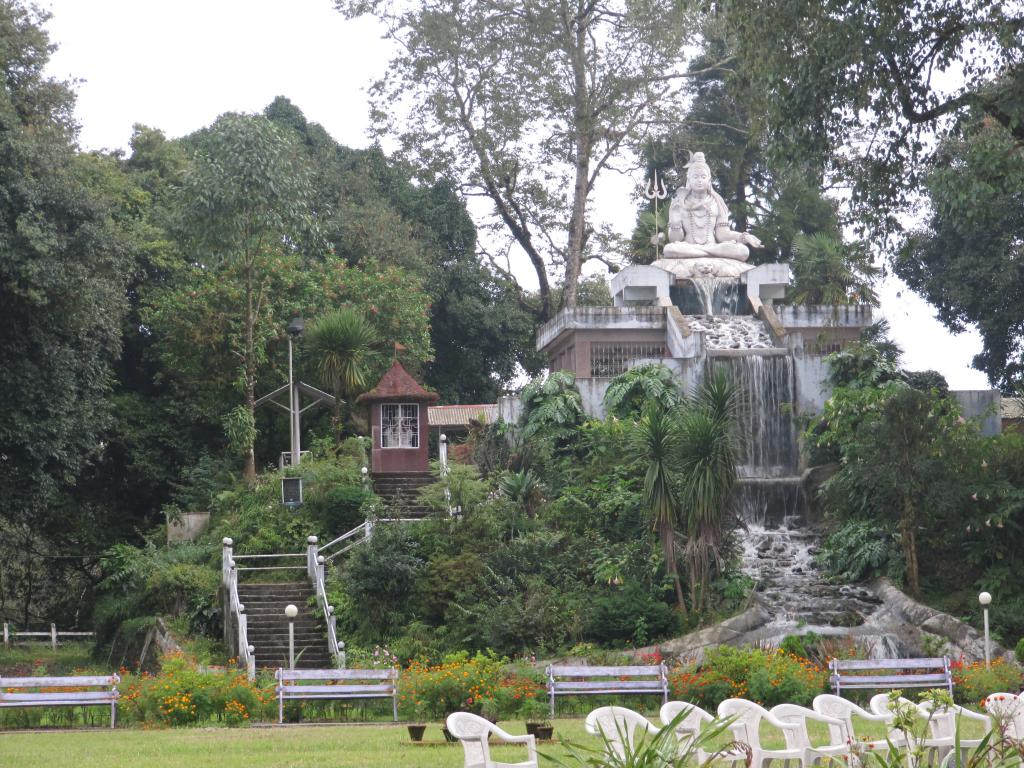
399,425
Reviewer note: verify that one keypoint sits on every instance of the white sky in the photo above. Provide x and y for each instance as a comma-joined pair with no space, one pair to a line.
177,65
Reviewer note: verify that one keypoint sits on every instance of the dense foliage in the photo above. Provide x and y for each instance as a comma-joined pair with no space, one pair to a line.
145,298
917,486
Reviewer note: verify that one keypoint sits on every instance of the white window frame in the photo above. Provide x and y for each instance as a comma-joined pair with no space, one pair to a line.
401,427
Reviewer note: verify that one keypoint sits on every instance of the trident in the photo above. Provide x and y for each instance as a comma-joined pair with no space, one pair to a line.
656,191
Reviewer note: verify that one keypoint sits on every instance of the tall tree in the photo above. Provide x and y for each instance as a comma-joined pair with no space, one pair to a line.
526,104
66,258
68,242
776,198
246,202
864,83
903,454
968,260
371,213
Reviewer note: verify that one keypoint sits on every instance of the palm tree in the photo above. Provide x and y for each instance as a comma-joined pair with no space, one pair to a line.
828,271
628,392
341,344
656,439
707,448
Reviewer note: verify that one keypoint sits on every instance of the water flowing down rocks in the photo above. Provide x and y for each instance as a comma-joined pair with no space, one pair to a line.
731,331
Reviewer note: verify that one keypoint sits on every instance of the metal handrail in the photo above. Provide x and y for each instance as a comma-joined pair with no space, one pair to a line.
315,569
286,554
229,578
271,568
343,537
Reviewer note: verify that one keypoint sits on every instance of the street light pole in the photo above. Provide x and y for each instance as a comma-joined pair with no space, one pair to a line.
985,598
295,329
291,612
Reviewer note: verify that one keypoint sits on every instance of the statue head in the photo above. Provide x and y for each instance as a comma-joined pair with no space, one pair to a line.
698,173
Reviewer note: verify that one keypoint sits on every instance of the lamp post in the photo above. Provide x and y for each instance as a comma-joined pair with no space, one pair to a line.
291,612
295,329
985,598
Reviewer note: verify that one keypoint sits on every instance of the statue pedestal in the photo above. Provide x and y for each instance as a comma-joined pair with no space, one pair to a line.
703,266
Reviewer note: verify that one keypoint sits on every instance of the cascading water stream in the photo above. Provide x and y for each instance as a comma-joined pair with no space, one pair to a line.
777,542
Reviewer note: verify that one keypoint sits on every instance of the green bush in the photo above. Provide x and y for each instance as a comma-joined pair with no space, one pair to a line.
629,613
341,509
767,677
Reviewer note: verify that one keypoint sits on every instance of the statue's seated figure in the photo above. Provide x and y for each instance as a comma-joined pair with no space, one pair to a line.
698,221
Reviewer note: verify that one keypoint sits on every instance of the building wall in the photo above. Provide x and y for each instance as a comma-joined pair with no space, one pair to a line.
384,460
982,405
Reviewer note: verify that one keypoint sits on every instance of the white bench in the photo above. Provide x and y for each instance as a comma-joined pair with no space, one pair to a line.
297,684
25,692
916,673
588,680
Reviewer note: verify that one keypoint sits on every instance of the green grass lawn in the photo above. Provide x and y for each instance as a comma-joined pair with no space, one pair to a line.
339,746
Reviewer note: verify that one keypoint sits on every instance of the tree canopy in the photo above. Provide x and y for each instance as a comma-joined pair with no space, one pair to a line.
863,84
526,105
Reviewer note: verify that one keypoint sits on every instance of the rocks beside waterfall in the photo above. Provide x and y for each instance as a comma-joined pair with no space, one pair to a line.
896,627
916,619
731,331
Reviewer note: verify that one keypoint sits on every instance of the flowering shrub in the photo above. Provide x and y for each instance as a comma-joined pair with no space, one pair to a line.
767,677
475,684
181,694
235,713
973,681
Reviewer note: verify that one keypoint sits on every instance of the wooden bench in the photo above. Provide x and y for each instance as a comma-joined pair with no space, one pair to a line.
588,680
296,684
909,673
52,692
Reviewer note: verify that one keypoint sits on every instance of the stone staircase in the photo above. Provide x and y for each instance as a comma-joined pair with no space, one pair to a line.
268,626
401,491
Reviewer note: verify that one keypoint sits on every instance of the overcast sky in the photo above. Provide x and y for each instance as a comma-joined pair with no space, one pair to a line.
178,65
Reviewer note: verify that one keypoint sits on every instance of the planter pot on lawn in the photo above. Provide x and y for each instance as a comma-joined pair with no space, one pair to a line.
416,731
541,731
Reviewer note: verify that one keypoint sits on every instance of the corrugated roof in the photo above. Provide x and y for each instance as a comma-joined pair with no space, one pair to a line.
460,415
397,383
1011,408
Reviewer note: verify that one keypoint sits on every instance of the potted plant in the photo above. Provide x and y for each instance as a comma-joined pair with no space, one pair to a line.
535,713
499,705
418,710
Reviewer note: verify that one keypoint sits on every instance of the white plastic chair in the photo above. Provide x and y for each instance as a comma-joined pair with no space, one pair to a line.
473,733
689,727
618,726
942,727
879,705
746,728
841,709
799,738
1007,709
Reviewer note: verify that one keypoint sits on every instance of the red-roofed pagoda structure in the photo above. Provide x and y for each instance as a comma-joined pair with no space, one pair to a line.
398,423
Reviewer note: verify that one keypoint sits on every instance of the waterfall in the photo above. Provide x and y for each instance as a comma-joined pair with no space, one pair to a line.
767,391
710,296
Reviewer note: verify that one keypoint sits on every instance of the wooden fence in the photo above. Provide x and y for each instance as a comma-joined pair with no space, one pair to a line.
52,636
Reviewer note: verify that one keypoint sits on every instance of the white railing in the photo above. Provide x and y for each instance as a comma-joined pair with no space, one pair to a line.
10,633
442,451
357,535
235,609
315,571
